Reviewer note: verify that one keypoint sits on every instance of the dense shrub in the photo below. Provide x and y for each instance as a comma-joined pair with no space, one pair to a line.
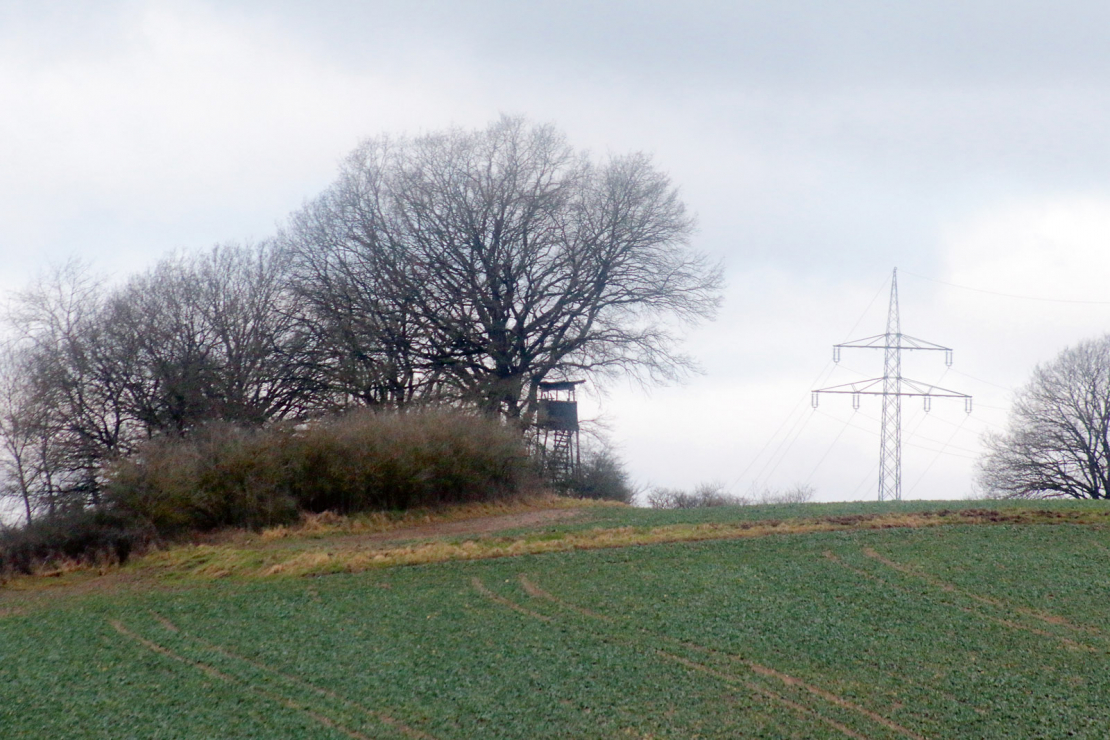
368,461
85,536
601,476
222,476
363,461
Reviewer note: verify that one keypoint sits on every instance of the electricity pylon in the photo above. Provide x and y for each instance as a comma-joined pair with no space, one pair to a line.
893,389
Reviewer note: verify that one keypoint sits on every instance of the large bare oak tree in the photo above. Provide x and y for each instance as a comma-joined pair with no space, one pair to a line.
1058,440
474,264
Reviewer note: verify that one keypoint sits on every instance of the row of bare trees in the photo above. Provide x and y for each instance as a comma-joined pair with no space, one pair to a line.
462,267
92,370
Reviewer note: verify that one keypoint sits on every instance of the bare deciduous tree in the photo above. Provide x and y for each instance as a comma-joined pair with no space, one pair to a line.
263,372
26,434
366,342
479,263
71,369
1057,443
215,336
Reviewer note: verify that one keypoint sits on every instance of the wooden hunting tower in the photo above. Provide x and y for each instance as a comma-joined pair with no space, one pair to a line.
557,429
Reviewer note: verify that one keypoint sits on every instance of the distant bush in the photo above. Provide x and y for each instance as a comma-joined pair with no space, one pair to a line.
362,461
706,494
796,494
714,494
82,536
601,476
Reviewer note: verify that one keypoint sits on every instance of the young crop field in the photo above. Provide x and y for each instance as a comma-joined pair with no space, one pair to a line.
990,629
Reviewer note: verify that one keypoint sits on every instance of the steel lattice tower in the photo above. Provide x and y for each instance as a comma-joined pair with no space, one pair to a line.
893,389
890,444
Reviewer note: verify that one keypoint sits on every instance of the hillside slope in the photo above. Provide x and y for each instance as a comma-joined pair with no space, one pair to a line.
812,621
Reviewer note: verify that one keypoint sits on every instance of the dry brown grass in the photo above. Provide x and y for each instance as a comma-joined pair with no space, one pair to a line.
328,544
312,526
355,556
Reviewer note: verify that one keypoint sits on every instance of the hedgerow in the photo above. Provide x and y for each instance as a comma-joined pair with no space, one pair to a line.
227,476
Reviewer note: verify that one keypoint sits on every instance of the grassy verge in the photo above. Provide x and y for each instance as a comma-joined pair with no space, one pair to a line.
222,561
323,545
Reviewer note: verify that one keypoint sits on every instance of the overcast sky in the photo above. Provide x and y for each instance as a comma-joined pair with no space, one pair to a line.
821,145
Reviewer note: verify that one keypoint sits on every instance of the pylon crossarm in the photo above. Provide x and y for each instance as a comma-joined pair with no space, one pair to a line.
917,388
873,387
909,342
875,342
857,386
879,341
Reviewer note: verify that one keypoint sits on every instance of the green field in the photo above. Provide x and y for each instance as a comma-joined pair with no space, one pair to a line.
954,631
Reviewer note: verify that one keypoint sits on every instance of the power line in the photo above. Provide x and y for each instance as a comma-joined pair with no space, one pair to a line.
873,433
805,422
913,433
979,419
987,382
866,478
874,298
1008,295
822,377
993,408
830,449
934,460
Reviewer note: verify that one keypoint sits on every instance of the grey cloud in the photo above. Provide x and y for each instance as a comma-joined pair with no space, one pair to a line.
810,43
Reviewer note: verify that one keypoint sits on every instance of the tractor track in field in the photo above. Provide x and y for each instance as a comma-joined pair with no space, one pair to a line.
533,590
762,691
786,679
1043,616
378,715
497,598
834,558
315,712
1065,642
536,592
220,675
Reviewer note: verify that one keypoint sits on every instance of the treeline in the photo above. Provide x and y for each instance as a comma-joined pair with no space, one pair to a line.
96,370
454,270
